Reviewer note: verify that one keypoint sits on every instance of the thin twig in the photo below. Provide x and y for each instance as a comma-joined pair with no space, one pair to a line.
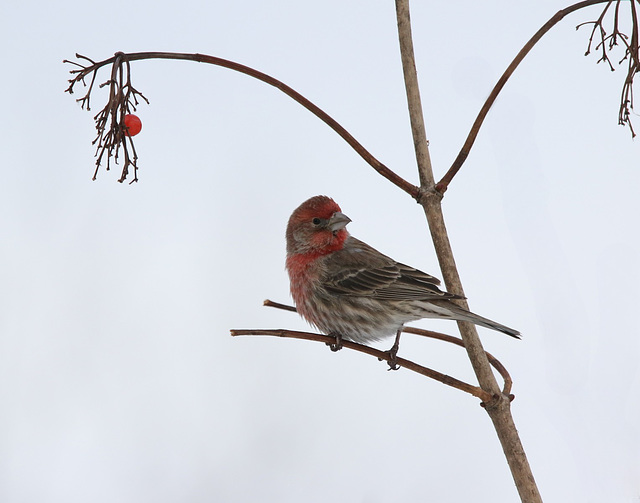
607,42
277,305
495,363
443,184
597,25
381,355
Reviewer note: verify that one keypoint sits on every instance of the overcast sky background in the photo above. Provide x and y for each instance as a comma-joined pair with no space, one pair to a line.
118,378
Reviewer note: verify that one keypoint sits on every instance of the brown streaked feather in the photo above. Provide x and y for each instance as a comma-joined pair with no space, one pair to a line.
365,271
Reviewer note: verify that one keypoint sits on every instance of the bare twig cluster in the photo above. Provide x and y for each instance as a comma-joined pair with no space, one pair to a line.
604,43
112,134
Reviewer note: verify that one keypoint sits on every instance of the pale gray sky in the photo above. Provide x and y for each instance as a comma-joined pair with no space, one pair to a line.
118,378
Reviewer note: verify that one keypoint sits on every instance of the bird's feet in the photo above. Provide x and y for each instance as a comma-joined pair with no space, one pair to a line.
392,357
337,346
393,353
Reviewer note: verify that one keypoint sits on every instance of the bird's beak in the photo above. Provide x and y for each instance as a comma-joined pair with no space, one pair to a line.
338,221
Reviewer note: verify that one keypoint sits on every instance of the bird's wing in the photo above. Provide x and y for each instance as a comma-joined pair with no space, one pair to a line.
360,270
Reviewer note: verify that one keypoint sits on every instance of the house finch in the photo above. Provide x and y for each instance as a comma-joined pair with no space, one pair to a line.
346,288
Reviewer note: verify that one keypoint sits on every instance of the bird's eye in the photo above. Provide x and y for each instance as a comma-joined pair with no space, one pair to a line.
316,221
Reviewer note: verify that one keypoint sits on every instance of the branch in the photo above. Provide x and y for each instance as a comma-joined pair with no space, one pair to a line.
432,200
495,363
498,409
443,184
418,130
84,71
380,355
508,383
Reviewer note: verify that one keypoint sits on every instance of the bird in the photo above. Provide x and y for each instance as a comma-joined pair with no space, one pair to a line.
349,290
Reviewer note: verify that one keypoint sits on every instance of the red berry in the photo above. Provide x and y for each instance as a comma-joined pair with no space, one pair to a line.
133,124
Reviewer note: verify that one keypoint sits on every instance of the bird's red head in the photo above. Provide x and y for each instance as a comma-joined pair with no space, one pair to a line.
317,226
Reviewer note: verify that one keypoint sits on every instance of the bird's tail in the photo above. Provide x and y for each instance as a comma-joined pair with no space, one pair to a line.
461,314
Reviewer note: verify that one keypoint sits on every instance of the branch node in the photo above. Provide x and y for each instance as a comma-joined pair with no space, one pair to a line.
496,399
424,195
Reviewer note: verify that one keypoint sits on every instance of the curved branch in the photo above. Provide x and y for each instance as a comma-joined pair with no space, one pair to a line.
443,184
381,355
383,170
495,363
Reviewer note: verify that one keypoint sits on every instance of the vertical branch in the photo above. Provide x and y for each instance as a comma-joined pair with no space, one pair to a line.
430,199
420,143
499,408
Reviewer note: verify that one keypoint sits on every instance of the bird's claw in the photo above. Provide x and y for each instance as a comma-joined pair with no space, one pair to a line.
392,358
337,346
392,354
